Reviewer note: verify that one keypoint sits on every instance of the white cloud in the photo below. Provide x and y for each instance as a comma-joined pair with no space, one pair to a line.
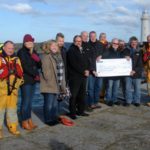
145,4
123,21
22,8
122,10
40,1
93,11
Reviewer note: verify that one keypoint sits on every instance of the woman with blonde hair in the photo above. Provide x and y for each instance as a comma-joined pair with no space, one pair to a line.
53,84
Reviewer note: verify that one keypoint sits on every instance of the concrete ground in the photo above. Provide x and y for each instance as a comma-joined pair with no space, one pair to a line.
109,128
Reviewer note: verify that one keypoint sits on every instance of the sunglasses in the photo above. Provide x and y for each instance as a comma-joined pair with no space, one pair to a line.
116,43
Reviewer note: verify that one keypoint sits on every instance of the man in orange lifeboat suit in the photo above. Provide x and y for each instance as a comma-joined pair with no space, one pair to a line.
11,77
146,59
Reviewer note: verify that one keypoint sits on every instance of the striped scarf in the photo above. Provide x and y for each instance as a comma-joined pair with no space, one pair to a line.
60,68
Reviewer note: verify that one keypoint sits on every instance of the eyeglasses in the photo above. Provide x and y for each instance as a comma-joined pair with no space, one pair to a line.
78,41
115,43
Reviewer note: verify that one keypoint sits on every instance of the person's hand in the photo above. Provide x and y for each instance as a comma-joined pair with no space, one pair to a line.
37,78
95,73
86,73
132,72
99,58
128,58
35,57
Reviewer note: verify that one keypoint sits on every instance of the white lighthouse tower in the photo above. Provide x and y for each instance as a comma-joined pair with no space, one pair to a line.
145,26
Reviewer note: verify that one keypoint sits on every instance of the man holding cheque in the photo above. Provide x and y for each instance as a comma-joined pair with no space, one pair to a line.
113,66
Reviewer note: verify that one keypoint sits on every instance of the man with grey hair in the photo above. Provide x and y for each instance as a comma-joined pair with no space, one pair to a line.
85,45
78,70
94,82
133,82
84,36
112,82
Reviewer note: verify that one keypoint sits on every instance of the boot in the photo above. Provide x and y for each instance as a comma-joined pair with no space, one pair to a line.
1,134
13,129
31,124
25,125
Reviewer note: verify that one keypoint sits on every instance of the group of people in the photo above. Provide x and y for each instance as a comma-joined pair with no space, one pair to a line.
67,74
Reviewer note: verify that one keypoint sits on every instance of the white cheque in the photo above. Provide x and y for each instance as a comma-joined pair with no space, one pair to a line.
113,67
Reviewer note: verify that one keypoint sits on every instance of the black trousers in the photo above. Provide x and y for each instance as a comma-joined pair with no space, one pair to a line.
78,93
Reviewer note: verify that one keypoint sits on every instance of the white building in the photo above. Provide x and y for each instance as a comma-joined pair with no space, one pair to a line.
145,26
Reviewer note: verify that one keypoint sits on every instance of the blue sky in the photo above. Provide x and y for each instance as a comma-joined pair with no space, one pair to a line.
44,18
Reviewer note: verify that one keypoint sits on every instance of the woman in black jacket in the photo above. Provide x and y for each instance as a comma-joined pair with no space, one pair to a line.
30,63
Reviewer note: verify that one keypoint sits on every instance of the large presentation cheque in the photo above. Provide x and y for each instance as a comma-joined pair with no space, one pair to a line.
113,67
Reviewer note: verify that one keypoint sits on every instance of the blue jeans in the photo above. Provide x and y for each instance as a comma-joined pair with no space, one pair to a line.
50,107
27,93
132,90
94,89
112,90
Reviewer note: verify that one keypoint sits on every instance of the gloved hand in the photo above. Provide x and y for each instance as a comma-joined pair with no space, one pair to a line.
37,78
35,57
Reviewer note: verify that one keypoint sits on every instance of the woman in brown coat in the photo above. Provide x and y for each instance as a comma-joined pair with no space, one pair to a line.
52,82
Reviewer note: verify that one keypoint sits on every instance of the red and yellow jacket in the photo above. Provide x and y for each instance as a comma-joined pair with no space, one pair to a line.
11,74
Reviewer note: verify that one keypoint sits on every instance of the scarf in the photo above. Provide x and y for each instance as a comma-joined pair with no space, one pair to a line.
60,68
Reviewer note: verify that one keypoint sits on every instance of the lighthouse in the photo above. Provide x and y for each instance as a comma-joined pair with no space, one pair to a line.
145,26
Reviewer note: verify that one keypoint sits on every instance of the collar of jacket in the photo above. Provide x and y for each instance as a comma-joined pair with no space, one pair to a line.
84,42
80,49
147,46
93,43
63,49
112,49
5,55
73,45
25,48
104,42
135,50
28,50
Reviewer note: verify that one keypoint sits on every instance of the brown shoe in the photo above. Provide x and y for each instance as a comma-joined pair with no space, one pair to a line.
148,104
31,124
25,125
1,134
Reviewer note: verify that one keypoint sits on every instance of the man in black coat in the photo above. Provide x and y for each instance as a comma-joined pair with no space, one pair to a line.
112,82
85,45
94,82
136,74
78,70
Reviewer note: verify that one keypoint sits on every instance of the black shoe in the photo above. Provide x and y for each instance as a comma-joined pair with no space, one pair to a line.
52,123
88,109
137,104
117,103
110,103
83,114
73,117
126,104
97,106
